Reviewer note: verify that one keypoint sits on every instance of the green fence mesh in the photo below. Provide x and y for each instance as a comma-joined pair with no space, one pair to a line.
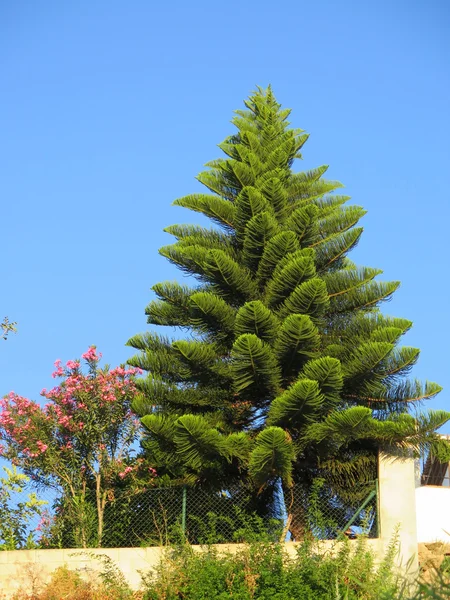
171,515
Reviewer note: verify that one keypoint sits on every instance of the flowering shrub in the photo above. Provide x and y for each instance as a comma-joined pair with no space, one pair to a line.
81,440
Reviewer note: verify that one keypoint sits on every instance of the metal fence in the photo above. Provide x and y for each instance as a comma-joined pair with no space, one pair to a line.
174,514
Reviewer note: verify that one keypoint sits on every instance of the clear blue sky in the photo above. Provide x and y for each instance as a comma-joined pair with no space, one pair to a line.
109,109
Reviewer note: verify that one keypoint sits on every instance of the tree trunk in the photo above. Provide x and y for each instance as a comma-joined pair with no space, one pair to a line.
297,522
100,510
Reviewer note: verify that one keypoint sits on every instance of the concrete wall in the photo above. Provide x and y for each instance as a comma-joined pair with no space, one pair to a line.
433,514
397,508
25,568
20,568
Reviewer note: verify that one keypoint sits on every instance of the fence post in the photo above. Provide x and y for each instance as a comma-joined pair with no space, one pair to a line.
183,511
378,508
359,511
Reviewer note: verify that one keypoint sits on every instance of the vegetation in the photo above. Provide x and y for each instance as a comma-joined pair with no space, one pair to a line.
7,327
70,585
80,443
258,571
15,517
286,381
263,570
287,370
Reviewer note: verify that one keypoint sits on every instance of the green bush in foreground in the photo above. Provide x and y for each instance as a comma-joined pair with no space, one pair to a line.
264,571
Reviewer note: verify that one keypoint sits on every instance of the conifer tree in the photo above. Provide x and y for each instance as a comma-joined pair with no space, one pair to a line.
285,367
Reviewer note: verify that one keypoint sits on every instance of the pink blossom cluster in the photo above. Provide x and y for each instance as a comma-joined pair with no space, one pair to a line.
125,472
91,355
85,429
81,414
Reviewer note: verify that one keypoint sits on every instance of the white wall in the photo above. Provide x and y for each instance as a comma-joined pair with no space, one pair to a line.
19,567
433,513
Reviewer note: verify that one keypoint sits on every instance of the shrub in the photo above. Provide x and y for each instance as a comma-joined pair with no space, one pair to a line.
263,571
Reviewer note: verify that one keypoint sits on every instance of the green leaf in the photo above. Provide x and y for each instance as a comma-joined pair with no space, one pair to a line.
365,296
259,230
173,307
162,313
254,367
256,318
272,457
237,445
229,277
291,272
193,235
276,249
336,246
340,220
386,334
342,426
399,361
346,280
303,222
211,314
366,357
217,209
309,298
275,193
244,173
297,341
299,403
197,355
190,259
249,203
218,181
196,441
327,372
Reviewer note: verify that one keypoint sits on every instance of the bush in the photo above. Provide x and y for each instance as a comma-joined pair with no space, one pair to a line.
263,571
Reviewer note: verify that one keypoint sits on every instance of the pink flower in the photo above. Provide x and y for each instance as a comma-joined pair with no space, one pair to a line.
42,447
91,355
125,472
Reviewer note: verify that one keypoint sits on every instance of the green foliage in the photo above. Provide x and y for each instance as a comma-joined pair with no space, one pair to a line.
15,517
285,342
262,570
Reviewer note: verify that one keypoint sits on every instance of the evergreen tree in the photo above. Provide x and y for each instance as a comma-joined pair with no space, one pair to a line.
286,368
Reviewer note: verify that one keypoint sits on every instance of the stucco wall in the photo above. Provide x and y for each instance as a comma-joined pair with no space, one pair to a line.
19,568
433,514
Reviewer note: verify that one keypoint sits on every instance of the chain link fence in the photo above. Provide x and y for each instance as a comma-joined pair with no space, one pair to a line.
175,514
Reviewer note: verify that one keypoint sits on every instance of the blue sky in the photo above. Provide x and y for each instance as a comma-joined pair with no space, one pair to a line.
109,110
